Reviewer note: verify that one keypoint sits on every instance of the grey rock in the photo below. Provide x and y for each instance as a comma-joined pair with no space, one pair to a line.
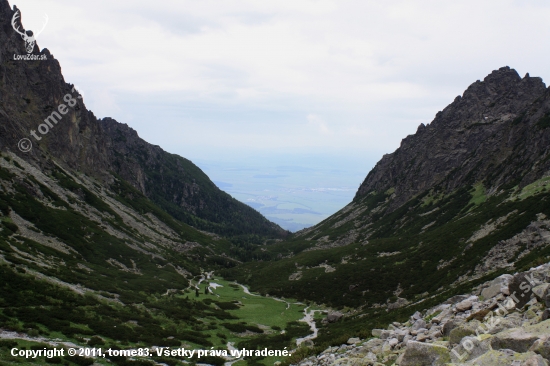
441,317
496,286
464,305
501,358
542,347
376,332
535,360
393,342
353,340
463,330
496,325
515,339
435,334
418,353
541,291
521,290
400,334
385,334
420,323
448,327
470,348
455,299
334,316
422,337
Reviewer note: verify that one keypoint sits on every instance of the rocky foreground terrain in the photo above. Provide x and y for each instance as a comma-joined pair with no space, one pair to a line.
503,322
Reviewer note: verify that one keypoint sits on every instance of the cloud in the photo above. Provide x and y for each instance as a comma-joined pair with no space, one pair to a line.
318,124
242,74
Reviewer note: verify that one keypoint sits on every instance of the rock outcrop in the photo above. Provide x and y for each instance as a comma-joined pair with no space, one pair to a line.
465,330
490,119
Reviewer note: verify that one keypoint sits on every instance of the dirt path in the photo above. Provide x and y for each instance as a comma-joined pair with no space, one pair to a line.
309,318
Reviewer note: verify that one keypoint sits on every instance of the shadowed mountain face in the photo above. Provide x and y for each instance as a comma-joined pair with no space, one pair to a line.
466,197
37,104
489,134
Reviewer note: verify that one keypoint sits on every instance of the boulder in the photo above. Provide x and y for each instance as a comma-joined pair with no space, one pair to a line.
463,330
464,306
422,337
376,332
470,348
418,353
420,323
521,289
334,316
502,358
441,317
353,340
515,339
494,325
448,326
479,315
541,291
455,299
535,360
496,286
393,342
400,334
542,347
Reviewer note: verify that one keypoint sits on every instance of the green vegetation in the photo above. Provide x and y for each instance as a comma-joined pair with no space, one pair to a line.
426,242
534,188
43,309
478,194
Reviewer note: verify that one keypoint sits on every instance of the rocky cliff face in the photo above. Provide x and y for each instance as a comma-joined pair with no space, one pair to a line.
481,136
31,93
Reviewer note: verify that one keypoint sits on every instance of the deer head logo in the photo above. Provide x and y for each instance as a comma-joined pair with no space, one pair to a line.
28,36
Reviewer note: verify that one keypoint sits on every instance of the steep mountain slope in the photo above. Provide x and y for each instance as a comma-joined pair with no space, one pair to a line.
96,242
463,199
31,93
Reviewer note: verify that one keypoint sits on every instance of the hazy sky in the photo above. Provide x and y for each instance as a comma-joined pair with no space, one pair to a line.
222,79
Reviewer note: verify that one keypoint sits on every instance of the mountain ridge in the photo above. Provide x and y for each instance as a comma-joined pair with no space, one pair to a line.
32,91
497,99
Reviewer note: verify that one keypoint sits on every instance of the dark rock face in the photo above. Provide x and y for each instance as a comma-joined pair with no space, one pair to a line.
477,137
32,92
520,289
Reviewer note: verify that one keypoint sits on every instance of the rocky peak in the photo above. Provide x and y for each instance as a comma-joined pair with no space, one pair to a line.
478,130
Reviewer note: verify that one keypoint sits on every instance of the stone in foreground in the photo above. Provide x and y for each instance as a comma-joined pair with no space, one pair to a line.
425,354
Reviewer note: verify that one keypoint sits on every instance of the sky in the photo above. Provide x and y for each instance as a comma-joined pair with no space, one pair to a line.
236,83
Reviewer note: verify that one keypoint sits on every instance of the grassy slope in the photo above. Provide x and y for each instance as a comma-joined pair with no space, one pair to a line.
79,295
417,250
